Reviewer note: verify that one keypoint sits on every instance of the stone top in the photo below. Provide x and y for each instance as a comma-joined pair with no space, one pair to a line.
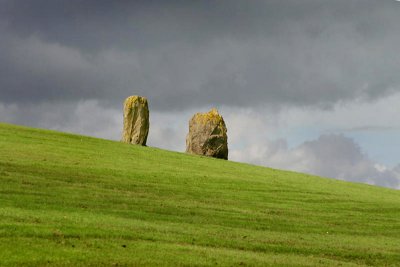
134,99
212,116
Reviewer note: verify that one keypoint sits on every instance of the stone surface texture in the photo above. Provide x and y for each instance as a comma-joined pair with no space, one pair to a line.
207,135
136,120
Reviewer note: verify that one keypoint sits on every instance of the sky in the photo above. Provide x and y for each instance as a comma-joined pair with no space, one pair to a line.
304,85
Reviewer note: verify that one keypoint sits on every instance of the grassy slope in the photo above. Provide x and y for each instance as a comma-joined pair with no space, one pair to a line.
74,200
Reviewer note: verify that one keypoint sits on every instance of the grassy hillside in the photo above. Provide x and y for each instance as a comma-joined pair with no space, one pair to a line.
69,200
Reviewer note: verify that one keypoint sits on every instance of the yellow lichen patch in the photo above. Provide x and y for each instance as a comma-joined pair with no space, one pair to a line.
130,101
211,116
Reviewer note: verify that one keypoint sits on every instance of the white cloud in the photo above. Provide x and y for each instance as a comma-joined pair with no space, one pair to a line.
168,130
335,156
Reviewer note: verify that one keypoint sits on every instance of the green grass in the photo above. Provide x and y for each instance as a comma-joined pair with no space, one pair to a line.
69,200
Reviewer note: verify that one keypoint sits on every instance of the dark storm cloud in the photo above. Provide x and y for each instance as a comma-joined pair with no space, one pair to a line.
194,53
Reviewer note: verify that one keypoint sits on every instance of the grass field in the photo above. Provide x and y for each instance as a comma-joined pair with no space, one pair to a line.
69,200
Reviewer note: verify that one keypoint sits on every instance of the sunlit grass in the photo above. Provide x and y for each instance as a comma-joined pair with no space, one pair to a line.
70,200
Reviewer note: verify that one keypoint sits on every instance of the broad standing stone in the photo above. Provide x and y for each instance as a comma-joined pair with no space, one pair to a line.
207,135
136,120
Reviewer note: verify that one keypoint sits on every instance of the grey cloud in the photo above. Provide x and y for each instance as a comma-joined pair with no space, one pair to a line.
369,128
185,54
334,156
87,117
101,24
340,157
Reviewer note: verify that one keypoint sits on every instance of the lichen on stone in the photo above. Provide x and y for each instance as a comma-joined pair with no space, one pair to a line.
207,135
136,120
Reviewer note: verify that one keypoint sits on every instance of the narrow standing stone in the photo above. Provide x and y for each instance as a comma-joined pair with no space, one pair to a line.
136,120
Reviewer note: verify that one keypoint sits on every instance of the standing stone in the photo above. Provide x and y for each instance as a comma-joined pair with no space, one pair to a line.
136,120
207,135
